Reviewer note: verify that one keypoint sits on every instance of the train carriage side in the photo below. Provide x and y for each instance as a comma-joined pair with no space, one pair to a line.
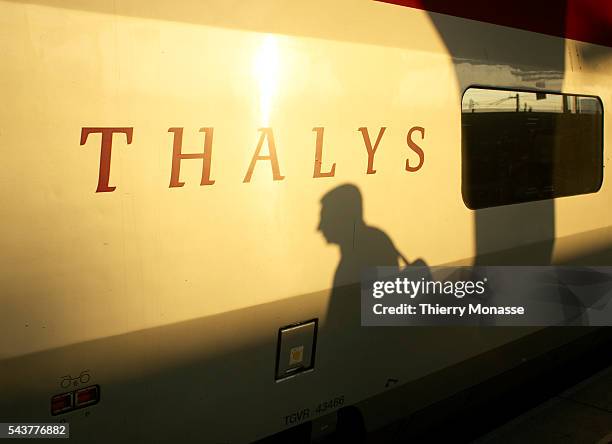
185,184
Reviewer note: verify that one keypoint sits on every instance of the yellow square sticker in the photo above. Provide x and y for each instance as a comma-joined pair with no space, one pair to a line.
296,355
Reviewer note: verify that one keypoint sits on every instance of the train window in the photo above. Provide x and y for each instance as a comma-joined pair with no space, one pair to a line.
521,146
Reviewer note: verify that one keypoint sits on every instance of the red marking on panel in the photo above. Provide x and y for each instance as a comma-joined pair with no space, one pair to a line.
585,20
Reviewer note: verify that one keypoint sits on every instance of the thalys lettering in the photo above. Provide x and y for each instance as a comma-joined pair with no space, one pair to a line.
371,144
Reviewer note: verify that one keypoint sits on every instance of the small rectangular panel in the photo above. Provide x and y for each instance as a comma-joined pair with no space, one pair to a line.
61,403
296,347
87,396
67,402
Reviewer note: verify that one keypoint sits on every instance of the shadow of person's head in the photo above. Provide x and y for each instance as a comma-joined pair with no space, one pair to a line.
341,213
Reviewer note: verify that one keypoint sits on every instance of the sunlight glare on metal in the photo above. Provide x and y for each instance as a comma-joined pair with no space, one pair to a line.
266,70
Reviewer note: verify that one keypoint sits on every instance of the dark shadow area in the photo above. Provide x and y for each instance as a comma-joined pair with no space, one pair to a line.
362,249
188,373
472,413
520,149
515,233
525,155
536,59
506,232
361,246
537,62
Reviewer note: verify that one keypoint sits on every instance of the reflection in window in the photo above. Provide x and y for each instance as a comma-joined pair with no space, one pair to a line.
521,146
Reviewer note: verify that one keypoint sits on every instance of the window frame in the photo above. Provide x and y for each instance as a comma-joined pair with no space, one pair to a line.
530,90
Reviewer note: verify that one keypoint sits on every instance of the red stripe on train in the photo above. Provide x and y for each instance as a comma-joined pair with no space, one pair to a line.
585,20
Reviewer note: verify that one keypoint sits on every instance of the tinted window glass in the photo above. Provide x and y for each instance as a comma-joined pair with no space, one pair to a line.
520,146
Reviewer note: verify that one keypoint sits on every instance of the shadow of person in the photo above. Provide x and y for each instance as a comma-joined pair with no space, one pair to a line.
361,246
343,341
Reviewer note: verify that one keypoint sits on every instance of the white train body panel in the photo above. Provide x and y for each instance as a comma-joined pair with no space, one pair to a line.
172,297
